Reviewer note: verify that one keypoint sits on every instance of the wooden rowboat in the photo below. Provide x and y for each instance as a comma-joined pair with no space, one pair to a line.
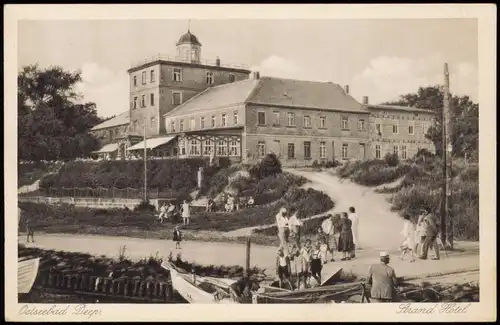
27,271
199,290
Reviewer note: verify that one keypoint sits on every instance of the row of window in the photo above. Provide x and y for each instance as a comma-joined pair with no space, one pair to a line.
223,148
306,121
395,129
307,150
177,77
203,123
176,100
400,151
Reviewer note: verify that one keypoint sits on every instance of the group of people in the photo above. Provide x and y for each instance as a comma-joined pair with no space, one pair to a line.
168,210
232,203
337,233
419,238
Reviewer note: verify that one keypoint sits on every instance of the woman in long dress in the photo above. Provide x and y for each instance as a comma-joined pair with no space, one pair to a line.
409,243
346,243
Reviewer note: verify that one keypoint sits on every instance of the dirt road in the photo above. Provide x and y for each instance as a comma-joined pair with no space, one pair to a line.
379,228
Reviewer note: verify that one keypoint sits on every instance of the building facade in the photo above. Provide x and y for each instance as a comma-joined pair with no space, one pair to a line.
193,108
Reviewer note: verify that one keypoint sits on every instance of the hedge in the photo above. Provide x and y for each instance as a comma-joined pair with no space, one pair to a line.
176,174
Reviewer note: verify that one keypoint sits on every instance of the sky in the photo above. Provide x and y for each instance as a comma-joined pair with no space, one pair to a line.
378,58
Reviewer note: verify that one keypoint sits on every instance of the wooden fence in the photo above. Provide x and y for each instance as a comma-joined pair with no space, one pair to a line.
124,288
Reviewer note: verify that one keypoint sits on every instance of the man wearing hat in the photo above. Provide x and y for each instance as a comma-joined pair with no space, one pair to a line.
383,280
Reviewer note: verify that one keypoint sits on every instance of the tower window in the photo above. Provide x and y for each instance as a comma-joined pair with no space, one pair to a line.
144,77
152,99
224,119
176,98
135,102
152,76
143,101
210,78
177,75
135,81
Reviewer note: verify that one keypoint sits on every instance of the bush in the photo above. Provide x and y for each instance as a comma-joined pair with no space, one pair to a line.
332,163
269,165
144,206
391,159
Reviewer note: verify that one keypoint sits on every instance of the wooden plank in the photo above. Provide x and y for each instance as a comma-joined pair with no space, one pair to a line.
329,279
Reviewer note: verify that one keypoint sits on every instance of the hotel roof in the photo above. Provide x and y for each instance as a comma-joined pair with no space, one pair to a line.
272,91
400,108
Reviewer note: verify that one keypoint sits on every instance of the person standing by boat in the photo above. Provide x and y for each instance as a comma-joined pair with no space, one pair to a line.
185,213
283,268
353,216
323,240
282,224
177,237
305,263
242,289
329,229
316,263
383,280
295,224
346,244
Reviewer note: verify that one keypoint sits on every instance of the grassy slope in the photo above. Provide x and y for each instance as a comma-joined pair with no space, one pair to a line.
421,187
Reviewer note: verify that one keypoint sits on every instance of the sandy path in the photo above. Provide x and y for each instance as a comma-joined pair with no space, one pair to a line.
379,228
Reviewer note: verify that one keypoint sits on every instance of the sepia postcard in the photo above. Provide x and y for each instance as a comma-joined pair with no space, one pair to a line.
335,161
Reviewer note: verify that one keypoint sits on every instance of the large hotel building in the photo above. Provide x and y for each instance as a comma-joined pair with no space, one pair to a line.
188,107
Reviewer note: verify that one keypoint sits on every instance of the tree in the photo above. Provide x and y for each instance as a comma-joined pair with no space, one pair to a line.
51,124
464,117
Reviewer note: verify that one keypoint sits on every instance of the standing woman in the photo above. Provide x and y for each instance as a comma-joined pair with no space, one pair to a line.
409,244
185,212
345,240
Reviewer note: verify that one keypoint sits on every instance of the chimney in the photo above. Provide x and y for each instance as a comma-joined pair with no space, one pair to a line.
217,62
346,89
365,100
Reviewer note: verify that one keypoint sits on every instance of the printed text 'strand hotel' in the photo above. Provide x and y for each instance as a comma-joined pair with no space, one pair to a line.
189,107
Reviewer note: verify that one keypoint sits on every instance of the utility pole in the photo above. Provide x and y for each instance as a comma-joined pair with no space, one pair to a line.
145,161
447,148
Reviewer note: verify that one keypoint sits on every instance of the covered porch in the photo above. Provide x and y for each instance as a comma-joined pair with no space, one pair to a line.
159,147
108,151
210,144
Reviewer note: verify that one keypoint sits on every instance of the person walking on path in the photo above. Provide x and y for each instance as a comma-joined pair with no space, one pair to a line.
346,244
30,231
420,233
329,226
409,244
353,216
282,223
295,224
177,237
431,232
185,213
383,280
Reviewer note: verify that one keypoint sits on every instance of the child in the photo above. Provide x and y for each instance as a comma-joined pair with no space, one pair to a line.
316,264
283,268
305,261
30,231
323,240
177,237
